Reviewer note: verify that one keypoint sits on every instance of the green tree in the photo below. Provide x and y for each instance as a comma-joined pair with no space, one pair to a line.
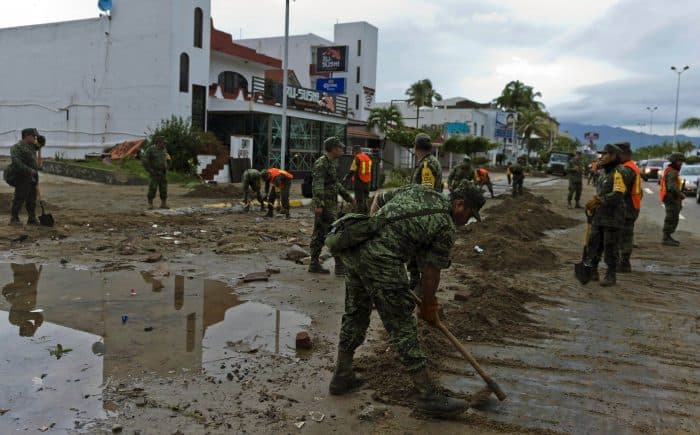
421,93
385,119
183,142
517,96
563,143
533,121
690,123
470,145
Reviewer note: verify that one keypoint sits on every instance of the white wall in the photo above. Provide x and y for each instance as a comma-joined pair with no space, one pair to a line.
221,62
348,34
117,77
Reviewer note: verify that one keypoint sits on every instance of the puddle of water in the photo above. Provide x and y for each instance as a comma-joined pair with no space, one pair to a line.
172,324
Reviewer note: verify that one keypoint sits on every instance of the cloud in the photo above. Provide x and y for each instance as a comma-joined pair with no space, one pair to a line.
489,18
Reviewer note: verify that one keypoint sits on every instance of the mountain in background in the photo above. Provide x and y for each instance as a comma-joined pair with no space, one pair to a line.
610,134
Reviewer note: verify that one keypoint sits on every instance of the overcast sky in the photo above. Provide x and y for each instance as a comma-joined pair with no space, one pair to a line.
595,61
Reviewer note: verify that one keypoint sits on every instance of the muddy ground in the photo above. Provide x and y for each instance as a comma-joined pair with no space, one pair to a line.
204,351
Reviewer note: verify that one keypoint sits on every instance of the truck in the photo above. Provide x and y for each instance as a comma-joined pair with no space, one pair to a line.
558,160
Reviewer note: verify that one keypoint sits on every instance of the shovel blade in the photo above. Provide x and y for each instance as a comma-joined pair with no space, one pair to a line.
46,220
583,273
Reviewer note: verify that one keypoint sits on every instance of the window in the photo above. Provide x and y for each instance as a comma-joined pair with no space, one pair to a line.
230,81
184,73
198,27
358,75
482,129
359,47
357,102
476,129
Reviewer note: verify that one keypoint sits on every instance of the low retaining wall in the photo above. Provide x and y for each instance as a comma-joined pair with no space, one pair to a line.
98,175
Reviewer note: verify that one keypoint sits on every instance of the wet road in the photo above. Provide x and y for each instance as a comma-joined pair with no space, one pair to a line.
690,214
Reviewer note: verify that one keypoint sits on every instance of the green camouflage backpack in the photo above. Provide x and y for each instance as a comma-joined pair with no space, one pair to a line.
10,176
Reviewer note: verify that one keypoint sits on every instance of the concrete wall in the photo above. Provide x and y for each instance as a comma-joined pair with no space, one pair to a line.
92,83
221,62
83,173
348,34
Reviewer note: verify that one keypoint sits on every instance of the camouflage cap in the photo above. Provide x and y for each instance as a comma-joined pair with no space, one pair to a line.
625,147
30,132
467,191
332,142
423,141
676,157
611,149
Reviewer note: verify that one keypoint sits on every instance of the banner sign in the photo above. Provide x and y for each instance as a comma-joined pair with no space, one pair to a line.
455,128
332,86
332,59
310,99
505,124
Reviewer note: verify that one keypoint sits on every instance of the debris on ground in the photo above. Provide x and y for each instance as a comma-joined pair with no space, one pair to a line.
303,341
256,276
228,191
295,253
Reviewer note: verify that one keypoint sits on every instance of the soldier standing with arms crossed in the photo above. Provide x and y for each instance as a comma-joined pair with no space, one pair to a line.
155,161
575,171
633,203
325,201
672,197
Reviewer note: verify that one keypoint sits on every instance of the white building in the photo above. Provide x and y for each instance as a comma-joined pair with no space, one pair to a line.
360,38
89,84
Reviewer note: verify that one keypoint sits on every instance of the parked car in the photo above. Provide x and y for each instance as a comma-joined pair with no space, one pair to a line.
557,163
689,179
651,169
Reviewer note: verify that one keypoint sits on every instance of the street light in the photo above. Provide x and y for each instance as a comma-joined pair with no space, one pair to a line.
641,126
678,91
285,69
651,110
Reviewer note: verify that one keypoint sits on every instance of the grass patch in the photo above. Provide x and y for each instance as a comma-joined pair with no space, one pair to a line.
134,168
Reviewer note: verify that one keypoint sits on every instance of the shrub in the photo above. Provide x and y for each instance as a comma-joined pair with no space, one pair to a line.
399,177
480,161
183,143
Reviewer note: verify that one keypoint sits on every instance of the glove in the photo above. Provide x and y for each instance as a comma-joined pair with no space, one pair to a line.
593,204
428,311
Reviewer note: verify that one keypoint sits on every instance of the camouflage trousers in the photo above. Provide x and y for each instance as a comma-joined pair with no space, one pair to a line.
575,188
25,194
517,186
158,184
388,290
603,242
673,211
284,197
627,237
361,197
254,189
322,225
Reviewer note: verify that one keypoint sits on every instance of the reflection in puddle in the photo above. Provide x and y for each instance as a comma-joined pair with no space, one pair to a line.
171,324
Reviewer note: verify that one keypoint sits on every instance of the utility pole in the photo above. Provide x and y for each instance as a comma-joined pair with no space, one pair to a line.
678,92
285,78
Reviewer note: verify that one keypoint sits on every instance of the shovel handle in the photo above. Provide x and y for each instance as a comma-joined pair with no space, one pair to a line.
493,386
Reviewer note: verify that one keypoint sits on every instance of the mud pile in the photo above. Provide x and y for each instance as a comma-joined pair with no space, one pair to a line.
510,236
226,191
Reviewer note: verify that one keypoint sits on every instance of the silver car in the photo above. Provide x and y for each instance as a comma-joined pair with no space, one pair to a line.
689,180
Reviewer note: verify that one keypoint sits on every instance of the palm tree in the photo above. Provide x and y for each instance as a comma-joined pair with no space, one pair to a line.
517,95
385,119
532,121
690,123
421,93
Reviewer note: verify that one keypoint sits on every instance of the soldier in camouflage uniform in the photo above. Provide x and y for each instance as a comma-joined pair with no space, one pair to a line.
23,170
607,213
463,171
326,188
575,170
252,181
633,198
672,197
376,276
518,176
155,161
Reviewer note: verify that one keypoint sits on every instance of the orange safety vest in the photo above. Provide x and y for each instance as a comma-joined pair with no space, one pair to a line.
482,175
663,189
636,193
365,169
272,173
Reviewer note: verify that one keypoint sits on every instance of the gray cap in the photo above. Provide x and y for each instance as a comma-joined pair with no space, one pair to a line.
611,149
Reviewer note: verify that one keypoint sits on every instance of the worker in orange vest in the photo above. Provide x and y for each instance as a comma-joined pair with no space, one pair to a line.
281,183
360,173
482,178
633,203
671,194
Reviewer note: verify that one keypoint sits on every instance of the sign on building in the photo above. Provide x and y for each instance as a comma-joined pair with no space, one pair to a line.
505,124
242,148
451,128
332,59
332,86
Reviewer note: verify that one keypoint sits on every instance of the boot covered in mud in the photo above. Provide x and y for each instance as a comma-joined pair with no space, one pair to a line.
269,212
150,204
625,266
344,380
610,278
315,267
432,401
339,267
164,204
669,241
578,205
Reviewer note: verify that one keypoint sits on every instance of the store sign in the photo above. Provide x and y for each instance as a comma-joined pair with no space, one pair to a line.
310,99
332,59
332,86
505,124
456,128
242,148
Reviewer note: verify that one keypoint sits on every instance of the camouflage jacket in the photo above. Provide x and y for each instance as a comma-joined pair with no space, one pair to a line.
251,177
610,190
155,161
673,193
463,171
428,238
325,185
23,159
575,170
428,172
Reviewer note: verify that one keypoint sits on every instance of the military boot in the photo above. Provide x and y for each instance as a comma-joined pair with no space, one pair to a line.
625,266
339,267
32,220
568,204
262,207
164,204
432,401
669,241
344,379
150,204
610,278
315,267
578,205
595,276
246,208
14,221
286,213
269,212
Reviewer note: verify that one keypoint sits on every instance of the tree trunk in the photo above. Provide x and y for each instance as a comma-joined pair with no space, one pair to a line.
417,114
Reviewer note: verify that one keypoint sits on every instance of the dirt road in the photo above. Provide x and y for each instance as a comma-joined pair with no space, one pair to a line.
203,351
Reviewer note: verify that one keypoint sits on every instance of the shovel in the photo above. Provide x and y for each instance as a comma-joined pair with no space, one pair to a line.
582,271
45,219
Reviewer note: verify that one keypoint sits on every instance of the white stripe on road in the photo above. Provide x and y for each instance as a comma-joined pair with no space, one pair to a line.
648,191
